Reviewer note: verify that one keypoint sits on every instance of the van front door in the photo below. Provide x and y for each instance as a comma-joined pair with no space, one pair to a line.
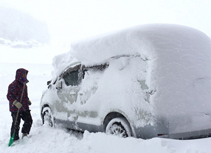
67,90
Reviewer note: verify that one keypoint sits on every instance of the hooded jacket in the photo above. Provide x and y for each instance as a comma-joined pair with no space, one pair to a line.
15,90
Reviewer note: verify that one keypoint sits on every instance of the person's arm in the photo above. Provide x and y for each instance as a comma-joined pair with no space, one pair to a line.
11,93
11,96
27,98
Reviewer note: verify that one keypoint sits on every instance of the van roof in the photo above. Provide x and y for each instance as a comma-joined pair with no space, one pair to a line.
149,41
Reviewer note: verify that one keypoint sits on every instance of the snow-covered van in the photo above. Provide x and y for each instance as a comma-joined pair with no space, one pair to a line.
145,81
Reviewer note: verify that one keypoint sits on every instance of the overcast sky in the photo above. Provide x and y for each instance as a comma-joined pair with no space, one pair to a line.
70,20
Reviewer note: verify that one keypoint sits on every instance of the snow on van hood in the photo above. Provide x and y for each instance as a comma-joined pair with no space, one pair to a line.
178,67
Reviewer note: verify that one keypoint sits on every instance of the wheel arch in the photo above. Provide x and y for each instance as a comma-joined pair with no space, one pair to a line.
44,106
113,115
48,108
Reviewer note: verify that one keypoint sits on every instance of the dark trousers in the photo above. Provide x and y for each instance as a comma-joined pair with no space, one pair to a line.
26,117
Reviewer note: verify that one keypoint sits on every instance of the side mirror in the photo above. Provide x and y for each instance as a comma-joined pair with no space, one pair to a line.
59,85
48,82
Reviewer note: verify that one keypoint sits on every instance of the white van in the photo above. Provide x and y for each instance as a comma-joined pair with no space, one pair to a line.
145,81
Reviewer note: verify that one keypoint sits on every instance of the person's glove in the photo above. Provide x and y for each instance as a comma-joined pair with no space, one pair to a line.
17,104
29,102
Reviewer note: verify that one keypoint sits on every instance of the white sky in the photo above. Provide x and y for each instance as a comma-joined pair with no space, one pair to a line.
70,20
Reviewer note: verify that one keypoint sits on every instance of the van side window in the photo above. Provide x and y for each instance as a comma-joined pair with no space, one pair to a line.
71,78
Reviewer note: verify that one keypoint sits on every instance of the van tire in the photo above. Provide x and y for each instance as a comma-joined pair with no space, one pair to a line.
47,117
119,126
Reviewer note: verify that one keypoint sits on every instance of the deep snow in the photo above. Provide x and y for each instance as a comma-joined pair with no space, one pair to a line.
45,139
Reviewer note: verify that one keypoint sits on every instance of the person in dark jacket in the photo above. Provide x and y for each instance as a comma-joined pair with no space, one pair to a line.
15,91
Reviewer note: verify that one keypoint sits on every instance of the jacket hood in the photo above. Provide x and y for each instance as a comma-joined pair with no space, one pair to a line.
19,74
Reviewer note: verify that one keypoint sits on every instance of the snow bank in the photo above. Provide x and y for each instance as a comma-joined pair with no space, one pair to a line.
45,140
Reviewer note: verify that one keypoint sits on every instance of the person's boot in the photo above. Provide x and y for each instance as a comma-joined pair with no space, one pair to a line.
16,138
24,135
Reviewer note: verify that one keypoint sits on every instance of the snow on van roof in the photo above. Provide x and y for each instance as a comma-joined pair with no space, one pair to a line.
146,40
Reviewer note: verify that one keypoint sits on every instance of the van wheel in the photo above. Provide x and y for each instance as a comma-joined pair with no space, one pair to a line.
47,117
119,126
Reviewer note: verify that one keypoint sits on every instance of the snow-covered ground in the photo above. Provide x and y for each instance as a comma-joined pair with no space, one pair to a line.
53,140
